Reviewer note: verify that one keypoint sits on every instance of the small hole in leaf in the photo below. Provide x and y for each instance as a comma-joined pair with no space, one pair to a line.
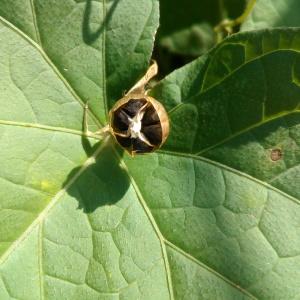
276,154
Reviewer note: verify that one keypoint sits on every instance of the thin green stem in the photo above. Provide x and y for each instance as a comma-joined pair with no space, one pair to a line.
227,25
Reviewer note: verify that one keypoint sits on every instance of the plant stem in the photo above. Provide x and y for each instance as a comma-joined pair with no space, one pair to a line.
227,25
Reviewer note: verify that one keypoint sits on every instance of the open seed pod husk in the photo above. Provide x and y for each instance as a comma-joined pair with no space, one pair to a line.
139,137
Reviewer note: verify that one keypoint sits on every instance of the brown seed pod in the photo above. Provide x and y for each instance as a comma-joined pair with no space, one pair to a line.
139,123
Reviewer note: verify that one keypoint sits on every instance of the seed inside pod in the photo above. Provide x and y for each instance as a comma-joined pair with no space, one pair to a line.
137,126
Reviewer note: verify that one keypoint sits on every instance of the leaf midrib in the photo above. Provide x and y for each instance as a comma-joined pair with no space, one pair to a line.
104,60
153,224
163,242
204,266
35,25
40,260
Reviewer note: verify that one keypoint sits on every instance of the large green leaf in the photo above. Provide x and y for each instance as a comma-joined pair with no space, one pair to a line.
239,103
86,43
79,221
273,13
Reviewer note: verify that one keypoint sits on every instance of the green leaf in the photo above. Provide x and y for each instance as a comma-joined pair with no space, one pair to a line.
80,221
273,13
235,106
220,224
239,104
86,43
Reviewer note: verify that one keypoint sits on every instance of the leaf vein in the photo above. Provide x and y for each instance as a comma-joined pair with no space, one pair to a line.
40,260
229,169
34,18
49,128
238,133
104,59
259,57
50,205
51,65
154,225
201,92
193,259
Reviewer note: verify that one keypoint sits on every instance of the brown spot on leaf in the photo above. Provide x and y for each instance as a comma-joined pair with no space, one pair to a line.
276,154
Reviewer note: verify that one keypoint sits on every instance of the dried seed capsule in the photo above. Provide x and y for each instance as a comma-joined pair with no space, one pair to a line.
139,123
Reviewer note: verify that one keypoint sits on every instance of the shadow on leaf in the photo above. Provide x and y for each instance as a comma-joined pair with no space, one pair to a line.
103,182
89,35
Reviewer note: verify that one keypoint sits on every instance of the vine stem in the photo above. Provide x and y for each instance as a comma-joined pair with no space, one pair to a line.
227,25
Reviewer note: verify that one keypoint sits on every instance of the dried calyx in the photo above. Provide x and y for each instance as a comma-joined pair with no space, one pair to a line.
137,126
138,122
